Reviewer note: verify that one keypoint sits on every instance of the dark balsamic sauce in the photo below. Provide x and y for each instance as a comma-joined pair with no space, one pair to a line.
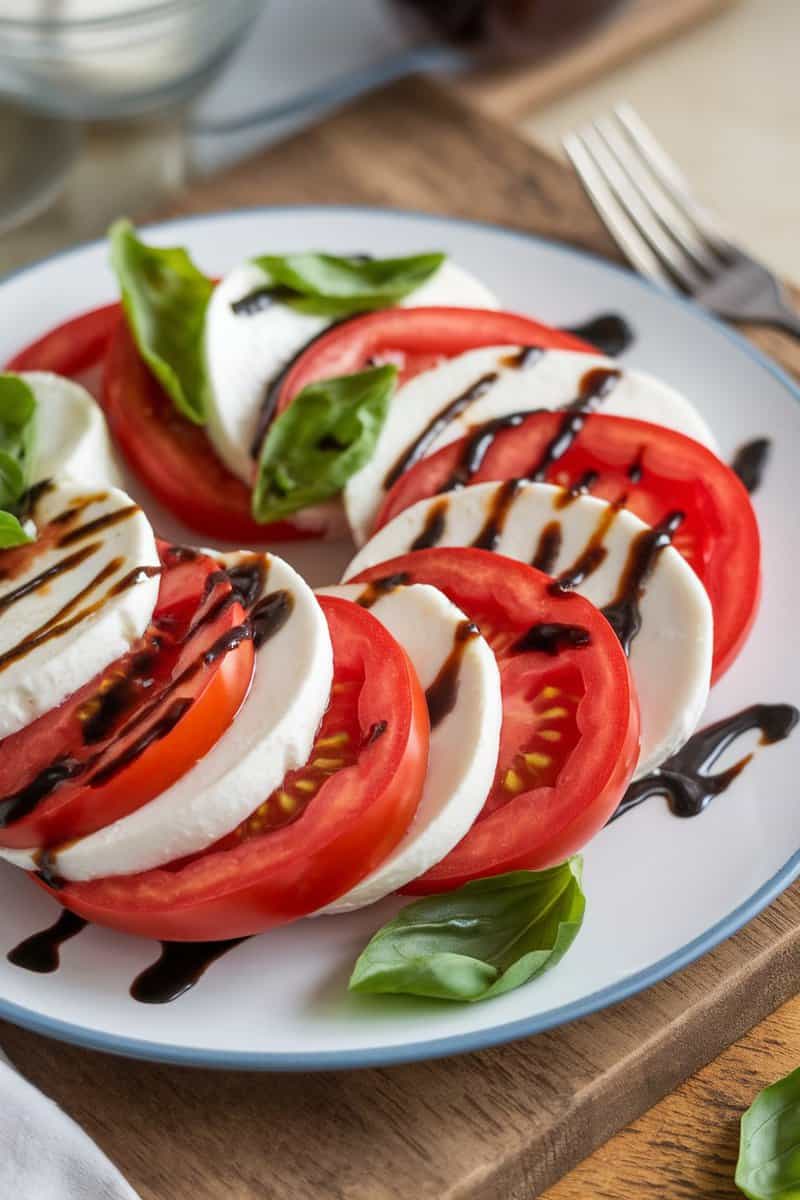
40,952
107,521
522,359
269,616
381,587
434,527
476,447
154,733
549,548
62,567
492,529
419,447
750,462
623,612
443,692
684,779
178,969
591,557
550,637
581,487
610,333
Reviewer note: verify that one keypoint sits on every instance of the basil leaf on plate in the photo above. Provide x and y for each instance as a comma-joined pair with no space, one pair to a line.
769,1146
165,298
326,434
336,286
17,439
486,938
11,532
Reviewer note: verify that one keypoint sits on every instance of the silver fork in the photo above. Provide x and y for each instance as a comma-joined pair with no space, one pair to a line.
646,204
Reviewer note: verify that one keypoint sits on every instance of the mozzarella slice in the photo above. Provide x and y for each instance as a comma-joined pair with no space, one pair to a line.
464,743
74,600
71,433
492,383
245,351
670,658
273,733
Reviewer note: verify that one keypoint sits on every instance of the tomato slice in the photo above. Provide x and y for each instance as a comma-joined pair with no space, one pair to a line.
655,470
71,348
136,728
414,339
174,459
570,734
323,830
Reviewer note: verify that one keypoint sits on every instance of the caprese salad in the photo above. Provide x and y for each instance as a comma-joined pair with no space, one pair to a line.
552,567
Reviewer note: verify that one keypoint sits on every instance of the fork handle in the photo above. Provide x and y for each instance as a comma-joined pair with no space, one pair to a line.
783,319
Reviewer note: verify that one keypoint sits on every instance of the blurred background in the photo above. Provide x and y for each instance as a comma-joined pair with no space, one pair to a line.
107,106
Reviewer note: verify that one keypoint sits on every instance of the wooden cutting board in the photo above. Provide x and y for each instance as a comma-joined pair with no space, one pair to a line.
505,1123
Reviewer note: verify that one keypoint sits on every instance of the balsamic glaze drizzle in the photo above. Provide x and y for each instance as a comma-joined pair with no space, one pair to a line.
609,332
492,529
623,612
443,692
180,966
550,637
522,359
437,424
40,951
381,587
750,462
684,780
548,549
434,527
476,446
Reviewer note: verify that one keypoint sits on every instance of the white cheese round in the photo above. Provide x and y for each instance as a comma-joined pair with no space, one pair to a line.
464,743
75,600
272,733
550,381
245,351
670,658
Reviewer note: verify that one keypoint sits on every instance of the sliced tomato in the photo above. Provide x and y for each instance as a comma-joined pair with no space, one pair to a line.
414,339
132,731
570,732
656,471
174,459
324,829
71,348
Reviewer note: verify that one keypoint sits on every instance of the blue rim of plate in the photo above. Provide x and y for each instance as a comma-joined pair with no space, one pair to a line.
482,1039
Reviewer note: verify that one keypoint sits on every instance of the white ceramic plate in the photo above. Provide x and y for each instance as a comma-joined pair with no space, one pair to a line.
661,891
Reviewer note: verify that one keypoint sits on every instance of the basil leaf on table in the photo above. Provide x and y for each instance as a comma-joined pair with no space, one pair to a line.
336,286
165,298
325,435
769,1147
17,439
11,532
486,938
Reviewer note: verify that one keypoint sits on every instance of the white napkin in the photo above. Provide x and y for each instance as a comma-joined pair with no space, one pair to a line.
44,1155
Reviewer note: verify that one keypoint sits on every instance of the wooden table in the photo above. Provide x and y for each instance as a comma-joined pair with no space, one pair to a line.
505,1123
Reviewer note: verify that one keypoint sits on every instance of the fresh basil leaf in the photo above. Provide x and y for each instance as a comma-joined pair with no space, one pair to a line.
335,286
769,1145
11,532
325,435
486,938
165,298
17,439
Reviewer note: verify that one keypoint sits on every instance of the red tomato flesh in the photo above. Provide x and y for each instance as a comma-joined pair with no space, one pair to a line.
570,733
320,833
135,729
414,339
657,471
71,348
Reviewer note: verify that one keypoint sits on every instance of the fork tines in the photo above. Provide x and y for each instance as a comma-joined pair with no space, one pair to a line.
645,202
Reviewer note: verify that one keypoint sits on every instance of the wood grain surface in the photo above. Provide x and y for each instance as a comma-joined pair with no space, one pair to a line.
506,1123
514,92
